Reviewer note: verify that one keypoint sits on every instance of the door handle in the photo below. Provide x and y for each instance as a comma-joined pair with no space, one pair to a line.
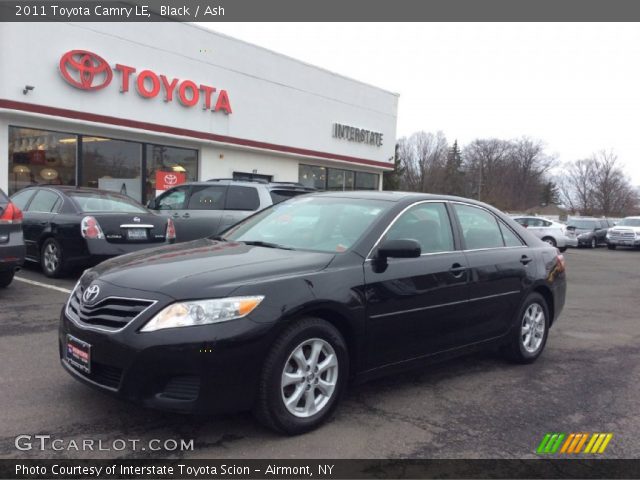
525,260
176,215
457,270
186,215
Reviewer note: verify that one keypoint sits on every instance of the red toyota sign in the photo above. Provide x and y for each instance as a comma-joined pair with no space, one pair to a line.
85,70
166,180
88,71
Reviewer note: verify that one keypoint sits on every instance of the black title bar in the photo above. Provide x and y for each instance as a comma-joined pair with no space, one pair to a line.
317,469
316,10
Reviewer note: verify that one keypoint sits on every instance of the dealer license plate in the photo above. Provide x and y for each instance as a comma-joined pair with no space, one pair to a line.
79,354
137,234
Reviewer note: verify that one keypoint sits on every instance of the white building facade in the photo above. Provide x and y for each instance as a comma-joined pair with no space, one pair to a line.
138,107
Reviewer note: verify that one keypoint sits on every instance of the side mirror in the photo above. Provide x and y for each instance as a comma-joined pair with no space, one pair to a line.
401,248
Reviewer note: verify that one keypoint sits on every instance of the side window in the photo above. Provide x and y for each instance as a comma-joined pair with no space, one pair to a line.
207,198
546,223
510,238
43,202
242,198
173,200
428,223
479,228
22,198
522,221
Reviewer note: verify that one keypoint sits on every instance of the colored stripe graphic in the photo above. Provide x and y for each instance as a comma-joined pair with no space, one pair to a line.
573,443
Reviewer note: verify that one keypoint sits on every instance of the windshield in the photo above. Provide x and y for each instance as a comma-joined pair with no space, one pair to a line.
629,222
105,202
586,224
326,224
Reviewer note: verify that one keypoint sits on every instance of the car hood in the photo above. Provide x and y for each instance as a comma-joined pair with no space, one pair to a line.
203,268
625,229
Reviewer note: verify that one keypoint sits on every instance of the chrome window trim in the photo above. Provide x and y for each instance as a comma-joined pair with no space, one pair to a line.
78,323
497,220
395,219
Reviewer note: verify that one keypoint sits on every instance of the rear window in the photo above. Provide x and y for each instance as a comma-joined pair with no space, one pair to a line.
242,198
583,223
278,196
104,202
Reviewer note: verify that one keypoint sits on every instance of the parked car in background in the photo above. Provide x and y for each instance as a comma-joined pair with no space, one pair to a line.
294,302
626,233
202,209
588,231
553,233
67,227
11,240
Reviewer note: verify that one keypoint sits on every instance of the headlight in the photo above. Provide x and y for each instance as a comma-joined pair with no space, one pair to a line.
202,312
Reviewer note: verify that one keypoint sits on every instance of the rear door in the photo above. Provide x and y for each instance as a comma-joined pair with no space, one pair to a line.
499,264
37,219
416,306
172,204
241,202
203,215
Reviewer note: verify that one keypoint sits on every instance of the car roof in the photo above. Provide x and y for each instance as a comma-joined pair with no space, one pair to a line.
393,196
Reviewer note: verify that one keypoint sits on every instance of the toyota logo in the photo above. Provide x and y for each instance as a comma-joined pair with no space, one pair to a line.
171,179
90,294
136,219
85,70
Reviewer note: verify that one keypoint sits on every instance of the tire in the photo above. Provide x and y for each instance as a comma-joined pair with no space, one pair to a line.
521,348
52,258
302,338
594,243
551,241
611,247
6,278
562,249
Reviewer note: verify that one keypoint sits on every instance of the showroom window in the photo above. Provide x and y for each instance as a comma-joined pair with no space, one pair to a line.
324,178
41,157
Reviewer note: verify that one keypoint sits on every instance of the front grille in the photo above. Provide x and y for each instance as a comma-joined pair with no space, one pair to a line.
182,388
112,313
105,375
622,235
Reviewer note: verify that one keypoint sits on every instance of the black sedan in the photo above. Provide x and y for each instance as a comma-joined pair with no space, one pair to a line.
282,310
66,227
11,241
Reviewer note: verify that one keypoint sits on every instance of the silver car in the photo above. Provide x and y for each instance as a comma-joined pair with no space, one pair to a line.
554,233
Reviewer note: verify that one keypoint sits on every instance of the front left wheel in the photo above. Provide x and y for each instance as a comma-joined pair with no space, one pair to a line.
303,377
6,278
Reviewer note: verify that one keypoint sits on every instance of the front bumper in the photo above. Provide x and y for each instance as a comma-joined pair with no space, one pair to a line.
624,242
203,369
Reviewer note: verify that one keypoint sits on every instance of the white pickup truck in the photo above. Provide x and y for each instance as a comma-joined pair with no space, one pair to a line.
625,234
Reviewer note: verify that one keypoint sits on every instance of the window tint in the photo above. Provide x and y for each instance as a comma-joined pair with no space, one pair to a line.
242,198
428,223
510,238
22,198
278,196
44,201
207,198
172,200
479,228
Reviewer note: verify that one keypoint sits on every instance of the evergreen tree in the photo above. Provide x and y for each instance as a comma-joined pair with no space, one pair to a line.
393,180
550,194
454,174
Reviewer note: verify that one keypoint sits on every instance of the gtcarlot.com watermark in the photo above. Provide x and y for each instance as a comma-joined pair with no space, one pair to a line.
27,443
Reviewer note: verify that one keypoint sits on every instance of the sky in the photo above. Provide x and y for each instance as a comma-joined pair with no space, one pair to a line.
575,86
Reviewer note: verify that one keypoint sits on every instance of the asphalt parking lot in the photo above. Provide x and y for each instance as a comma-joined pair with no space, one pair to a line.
473,407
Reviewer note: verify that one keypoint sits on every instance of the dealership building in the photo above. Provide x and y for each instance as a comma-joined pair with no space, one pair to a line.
136,108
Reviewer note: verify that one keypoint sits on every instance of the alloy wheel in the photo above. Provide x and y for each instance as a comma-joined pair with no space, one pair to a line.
309,378
533,327
51,257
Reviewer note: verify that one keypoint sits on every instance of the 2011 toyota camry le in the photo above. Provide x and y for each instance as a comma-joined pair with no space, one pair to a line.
287,307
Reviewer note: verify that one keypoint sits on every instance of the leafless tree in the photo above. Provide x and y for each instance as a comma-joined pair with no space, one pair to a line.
423,156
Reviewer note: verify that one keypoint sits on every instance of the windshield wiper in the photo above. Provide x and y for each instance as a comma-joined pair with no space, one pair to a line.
260,243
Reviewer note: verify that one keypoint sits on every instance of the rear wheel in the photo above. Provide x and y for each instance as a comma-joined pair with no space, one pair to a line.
551,241
303,377
530,332
6,278
52,258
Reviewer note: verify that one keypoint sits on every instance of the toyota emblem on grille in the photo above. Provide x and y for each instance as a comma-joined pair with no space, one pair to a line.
136,219
90,294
